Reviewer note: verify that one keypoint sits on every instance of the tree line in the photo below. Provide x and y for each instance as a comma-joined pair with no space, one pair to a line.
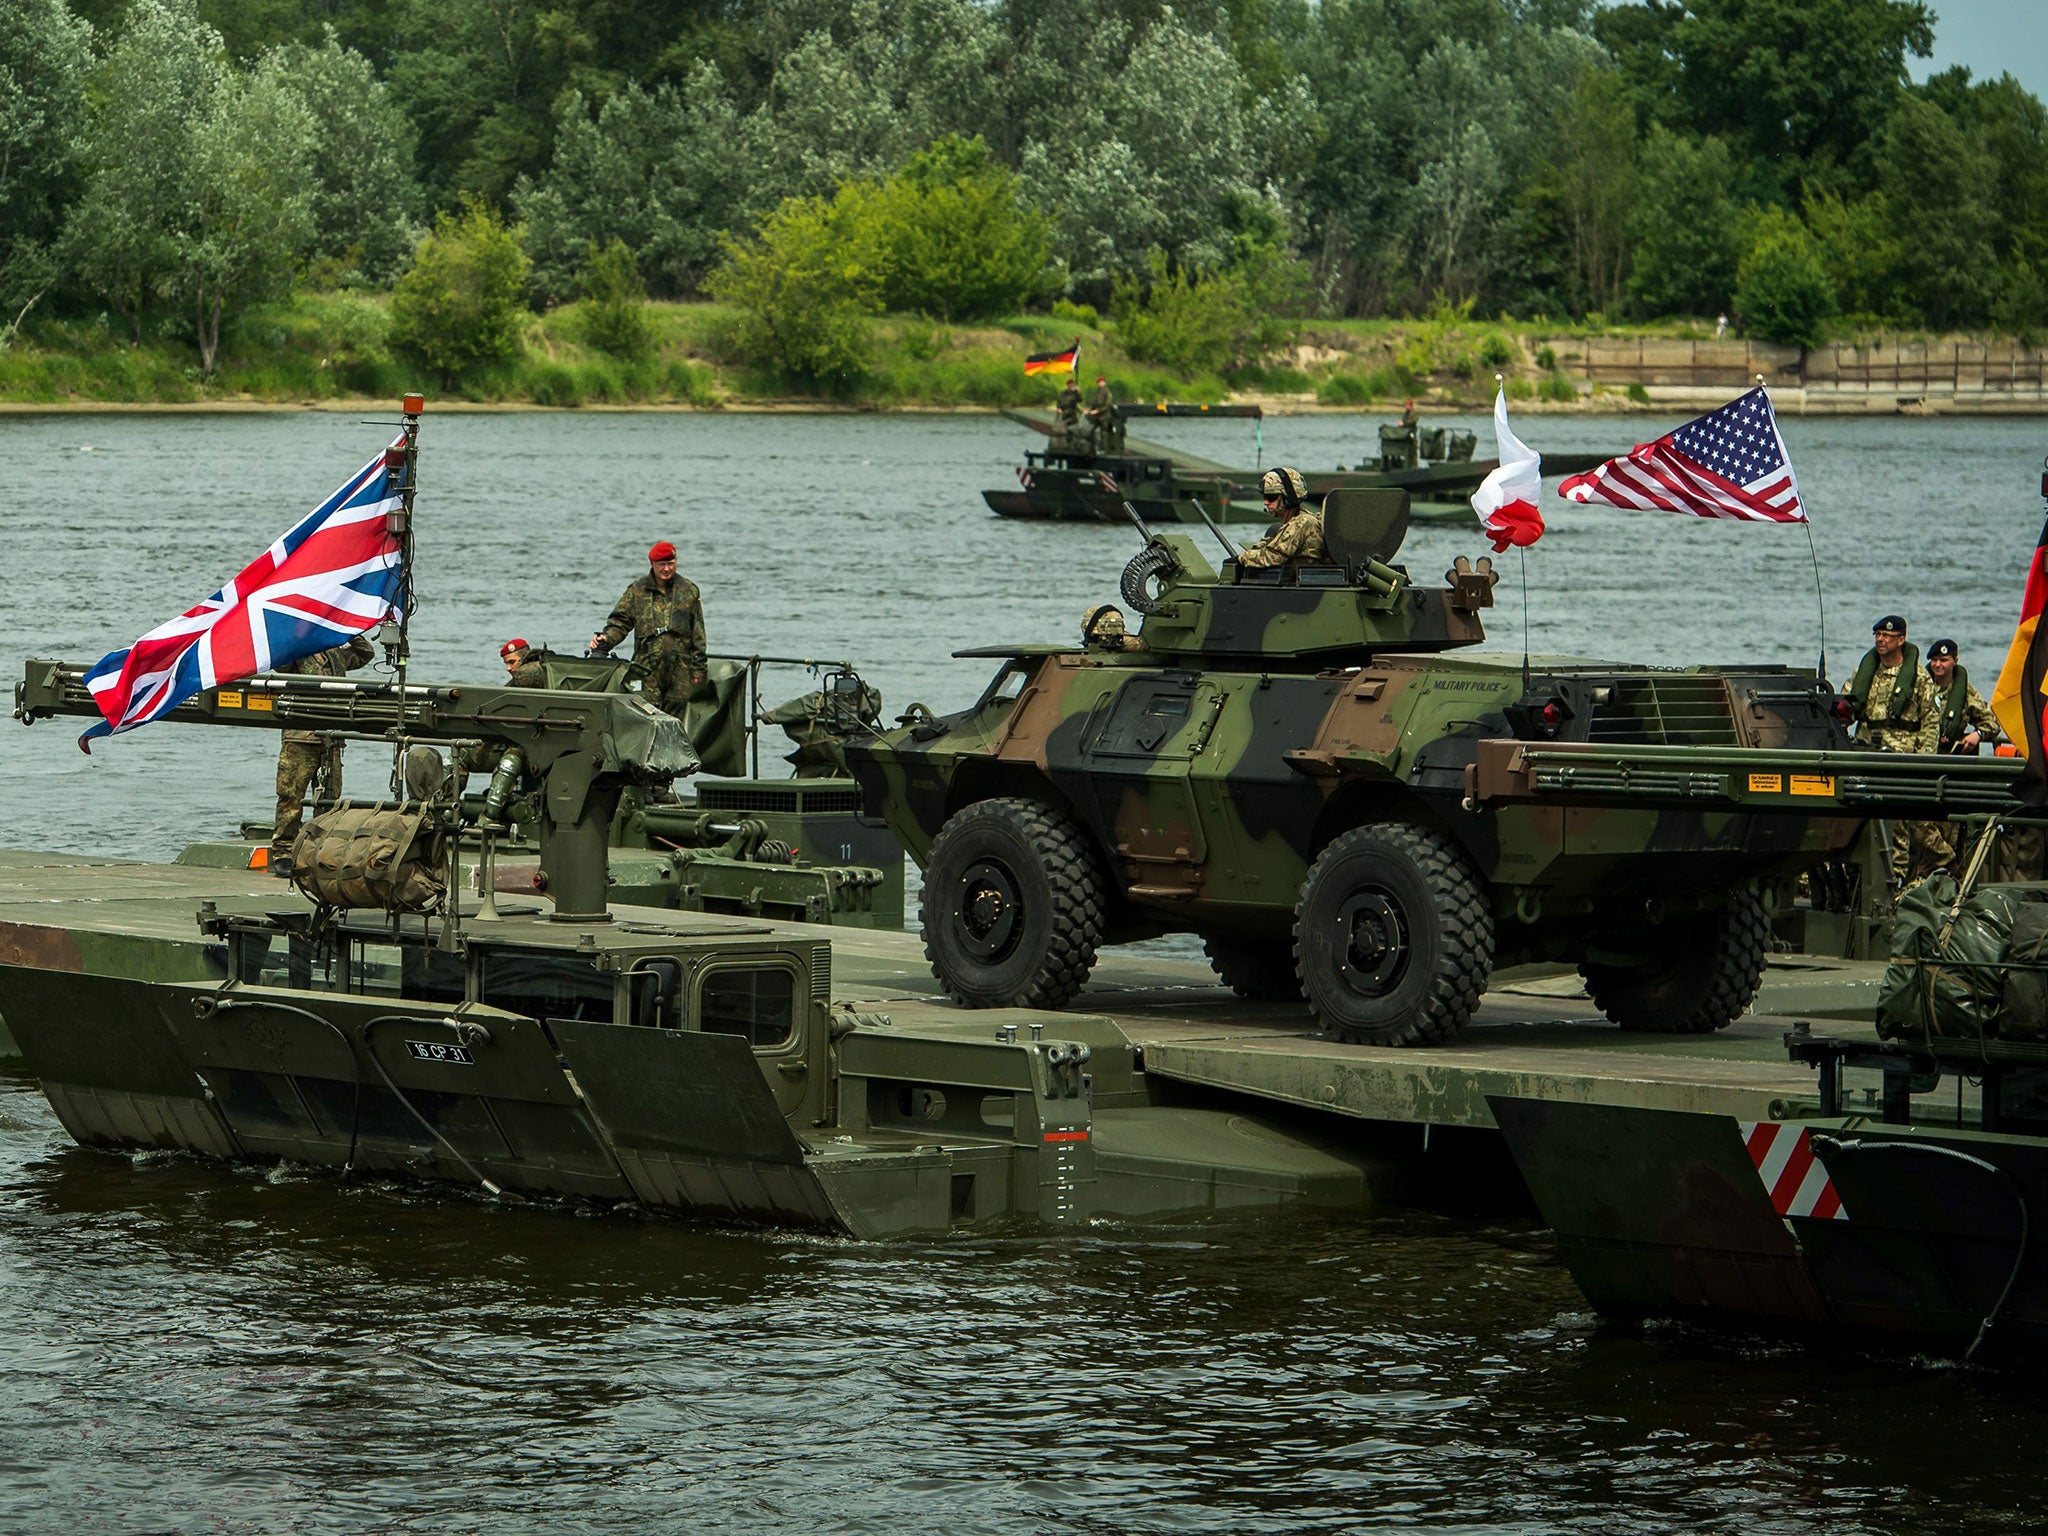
1200,171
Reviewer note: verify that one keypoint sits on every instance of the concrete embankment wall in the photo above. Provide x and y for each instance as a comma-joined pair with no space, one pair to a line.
1935,376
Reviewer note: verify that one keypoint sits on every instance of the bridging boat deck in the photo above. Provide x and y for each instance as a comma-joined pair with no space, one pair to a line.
1536,1036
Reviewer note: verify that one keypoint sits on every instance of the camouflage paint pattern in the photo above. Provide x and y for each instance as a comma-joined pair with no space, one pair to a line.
1271,712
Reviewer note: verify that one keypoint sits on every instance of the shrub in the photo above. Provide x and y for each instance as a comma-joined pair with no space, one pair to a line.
461,307
1080,314
1221,322
1557,387
1782,288
614,317
805,286
1638,394
1494,350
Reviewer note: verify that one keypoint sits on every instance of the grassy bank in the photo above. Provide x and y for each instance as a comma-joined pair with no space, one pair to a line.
325,347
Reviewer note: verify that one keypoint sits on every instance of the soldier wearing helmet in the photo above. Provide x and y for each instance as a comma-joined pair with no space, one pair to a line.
1102,629
665,617
1298,540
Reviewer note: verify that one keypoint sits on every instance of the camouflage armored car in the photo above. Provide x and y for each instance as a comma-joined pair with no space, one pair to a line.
1284,761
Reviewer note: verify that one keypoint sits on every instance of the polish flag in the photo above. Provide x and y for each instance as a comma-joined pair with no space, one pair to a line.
1506,498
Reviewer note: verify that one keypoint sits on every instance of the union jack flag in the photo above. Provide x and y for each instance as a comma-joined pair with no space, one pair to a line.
1728,463
335,573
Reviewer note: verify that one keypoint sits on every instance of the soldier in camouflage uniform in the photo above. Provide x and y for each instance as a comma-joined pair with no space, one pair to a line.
1966,722
665,617
1896,711
522,667
1102,629
1108,426
1298,540
303,754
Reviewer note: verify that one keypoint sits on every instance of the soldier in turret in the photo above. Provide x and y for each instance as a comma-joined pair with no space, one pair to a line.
665,617
522,667
1102,629
1298,540
1072,436
1896,711
303,754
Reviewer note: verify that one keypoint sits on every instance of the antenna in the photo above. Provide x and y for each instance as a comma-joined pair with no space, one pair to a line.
1108,482
1820,606
1229,548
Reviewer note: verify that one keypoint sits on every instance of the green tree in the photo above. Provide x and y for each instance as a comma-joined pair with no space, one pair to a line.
663,171
1594,179
1801,89
954,237
463,301
1937,180
366,194
247,216
806,283
1860,246
614,302
1213,323
1682,228
45,53
163,77
1782,290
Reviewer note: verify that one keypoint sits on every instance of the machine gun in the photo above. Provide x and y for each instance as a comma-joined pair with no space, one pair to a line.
585,748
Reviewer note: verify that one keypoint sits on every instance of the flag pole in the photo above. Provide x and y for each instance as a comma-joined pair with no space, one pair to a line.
1819,599
1500,383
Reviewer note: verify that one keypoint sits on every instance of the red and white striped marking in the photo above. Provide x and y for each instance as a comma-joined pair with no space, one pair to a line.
1793,1177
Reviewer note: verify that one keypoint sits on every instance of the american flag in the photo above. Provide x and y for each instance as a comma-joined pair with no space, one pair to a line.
1728,463
335,573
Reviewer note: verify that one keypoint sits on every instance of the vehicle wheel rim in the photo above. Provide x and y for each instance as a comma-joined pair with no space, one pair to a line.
1373,943
989,915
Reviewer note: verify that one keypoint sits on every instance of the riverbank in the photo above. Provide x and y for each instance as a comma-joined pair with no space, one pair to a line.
336,352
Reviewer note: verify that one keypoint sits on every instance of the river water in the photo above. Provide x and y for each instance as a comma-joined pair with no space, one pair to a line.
196,1349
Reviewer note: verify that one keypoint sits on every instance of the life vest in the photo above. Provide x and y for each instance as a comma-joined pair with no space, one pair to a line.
1903,685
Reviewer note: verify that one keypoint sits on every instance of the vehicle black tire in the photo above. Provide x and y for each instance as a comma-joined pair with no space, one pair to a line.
1258,970
1703,980
1014,905
1393,939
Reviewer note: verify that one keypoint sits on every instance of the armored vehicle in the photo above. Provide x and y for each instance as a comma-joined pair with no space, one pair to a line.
1314,768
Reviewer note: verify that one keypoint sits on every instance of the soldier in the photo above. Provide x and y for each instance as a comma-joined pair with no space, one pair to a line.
1107,425
665,617
1896,711
1966,720
1071,437
1297,541
522,667
303,754
1102,629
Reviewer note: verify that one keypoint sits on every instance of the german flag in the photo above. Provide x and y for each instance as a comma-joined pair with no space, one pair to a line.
1068,361
2019,698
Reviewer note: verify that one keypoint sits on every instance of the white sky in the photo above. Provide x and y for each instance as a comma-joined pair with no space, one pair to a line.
1993,37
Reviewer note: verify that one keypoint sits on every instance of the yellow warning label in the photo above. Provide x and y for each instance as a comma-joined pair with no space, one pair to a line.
1813,784
1767,783
230,700
263,701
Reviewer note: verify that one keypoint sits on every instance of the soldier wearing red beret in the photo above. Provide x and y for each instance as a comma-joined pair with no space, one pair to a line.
665,616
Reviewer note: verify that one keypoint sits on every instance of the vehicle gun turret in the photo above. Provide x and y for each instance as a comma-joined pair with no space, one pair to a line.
1353,605
584,748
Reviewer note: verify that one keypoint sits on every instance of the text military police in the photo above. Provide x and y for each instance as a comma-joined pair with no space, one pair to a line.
665,617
